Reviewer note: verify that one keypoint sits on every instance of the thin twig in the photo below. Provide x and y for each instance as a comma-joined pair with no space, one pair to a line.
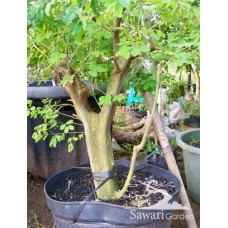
72,132
67,115
34,45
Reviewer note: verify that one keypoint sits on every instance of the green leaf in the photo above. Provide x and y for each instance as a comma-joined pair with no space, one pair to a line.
161,34
29,102
118,10
71,127
145,49
124,51
135,51
63,137
93,73
37,137
101,100
71,13
105,100
80,136
66,130
119,98
182,102
124,3
66,79
108,100
53,142
69,122
56,57
70,147
48,7
75,139
96,7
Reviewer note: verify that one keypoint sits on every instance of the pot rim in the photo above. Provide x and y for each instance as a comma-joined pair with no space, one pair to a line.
184,145
114,205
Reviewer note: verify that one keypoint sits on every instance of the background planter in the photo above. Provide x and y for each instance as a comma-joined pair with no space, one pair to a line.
99,214
191,162
139,114
42,160
192,122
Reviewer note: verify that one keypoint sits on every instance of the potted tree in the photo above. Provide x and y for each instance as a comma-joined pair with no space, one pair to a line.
99,40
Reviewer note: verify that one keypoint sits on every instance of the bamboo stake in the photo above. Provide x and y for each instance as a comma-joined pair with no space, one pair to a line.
168,154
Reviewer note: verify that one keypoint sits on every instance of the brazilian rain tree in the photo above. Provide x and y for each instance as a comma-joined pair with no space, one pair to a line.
101,41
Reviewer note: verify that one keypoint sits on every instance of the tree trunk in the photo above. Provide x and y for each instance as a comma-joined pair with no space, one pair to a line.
98,137
97,126
99,147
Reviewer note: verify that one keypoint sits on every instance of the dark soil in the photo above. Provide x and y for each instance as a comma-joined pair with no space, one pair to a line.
78,184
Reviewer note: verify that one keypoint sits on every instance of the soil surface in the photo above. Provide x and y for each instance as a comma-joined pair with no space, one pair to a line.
195,143
39,216
79,183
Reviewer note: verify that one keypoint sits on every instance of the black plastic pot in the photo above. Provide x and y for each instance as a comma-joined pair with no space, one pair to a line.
193,122
42,160
105,215
139,114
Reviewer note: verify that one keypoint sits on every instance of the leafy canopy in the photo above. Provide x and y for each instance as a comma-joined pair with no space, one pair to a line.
81,32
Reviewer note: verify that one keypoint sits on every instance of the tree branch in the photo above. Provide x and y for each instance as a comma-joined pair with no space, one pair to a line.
139,147
116,35
117,67
151,41
79,93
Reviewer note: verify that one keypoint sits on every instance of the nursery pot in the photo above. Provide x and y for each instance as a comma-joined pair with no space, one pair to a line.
191,156
105,215
139,114
192,122
44,161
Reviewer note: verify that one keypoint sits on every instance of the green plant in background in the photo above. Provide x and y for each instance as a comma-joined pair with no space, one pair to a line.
173,86
192,107
141,107
149,147
99,41
33,221
141,80
194,142
119,120
128,147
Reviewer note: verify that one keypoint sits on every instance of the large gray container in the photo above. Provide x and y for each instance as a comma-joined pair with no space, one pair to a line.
42,160
191,162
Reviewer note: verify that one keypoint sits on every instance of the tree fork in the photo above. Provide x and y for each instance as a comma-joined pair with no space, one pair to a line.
97,136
